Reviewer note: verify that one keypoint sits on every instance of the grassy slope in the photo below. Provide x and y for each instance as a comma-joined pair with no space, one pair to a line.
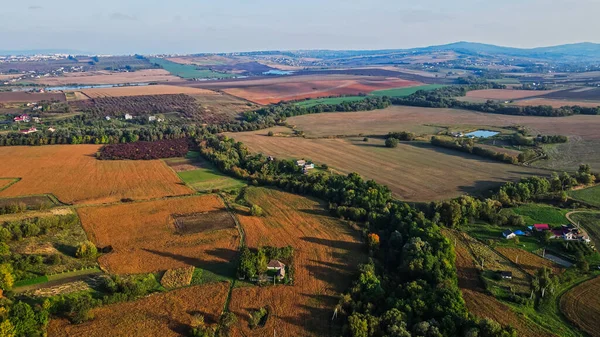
591,223
541,214
589,195
403,92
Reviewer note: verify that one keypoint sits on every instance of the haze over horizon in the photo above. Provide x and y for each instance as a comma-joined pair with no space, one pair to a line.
151,27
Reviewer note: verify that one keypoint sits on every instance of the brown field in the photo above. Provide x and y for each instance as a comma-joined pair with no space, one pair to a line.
480,304
403,118
528,261
505,94
29,97
581,305
144,90
165,314
8,77
74,175
327,252
555,103
413,171
177,278
145,238
223,105
109,77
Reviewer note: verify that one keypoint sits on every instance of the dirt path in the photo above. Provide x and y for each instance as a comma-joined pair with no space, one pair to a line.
58,282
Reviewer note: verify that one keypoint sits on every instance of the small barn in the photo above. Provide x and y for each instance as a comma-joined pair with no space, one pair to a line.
541,227
508,234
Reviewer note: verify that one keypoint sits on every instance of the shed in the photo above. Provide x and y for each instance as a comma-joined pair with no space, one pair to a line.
519,232
507,275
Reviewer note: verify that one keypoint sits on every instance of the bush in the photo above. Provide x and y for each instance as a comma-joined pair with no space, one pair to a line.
86,250
255,210
391,142
270,134
259,317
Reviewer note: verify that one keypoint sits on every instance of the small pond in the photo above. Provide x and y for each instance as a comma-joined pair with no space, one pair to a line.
482,134
278,72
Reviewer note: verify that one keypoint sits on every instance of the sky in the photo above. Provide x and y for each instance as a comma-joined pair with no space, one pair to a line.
203,26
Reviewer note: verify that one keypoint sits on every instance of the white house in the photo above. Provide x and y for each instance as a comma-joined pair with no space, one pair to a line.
278,267
508,234
151,118
107,118
128,116
300,162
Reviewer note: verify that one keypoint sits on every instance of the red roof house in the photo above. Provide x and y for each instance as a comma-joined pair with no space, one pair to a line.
541,227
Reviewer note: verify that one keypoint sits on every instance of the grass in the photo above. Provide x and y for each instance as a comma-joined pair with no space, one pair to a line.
187,71
589,195
403,92
541,214
31,281
331,100
208,178
591,223
82,272
486,232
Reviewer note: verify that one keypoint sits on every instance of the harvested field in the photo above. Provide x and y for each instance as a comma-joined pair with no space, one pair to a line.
159,89
145,238
109,77
74,175
8,77
555,103
413,171
581,305
327,252
577,94
177,278
165,314
30,97
504,94
202,222
528,261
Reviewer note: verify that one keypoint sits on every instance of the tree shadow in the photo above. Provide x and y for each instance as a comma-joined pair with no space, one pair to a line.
220,268
66,249
345,245
315,211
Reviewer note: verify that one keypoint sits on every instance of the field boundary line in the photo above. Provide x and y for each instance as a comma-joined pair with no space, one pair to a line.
14,181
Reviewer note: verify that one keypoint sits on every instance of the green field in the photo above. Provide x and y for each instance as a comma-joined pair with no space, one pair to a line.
591,223
206,178
187,71
589,195
333,100
403,92
541,214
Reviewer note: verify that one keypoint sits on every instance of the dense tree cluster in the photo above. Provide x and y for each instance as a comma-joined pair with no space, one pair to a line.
402,135
468,145
410,286
520,139
254,263
165,148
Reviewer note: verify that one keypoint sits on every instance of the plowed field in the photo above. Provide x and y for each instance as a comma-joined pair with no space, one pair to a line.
144,90
581,305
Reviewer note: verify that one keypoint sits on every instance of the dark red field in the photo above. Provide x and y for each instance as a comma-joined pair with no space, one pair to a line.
29,97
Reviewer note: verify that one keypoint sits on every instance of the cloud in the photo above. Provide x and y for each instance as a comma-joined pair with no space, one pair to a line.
33,8
122,17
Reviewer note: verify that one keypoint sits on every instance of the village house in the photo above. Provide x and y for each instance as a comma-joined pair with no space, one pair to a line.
508,234
278,267
128,116
22,118
151,118
300,162
107,118
37,119
51,129
30,130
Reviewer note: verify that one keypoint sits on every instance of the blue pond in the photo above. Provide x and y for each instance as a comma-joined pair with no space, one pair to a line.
482,134
277,72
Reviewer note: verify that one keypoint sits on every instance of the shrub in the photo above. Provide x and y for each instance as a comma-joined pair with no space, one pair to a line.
270,134
255,210
86,250
391,142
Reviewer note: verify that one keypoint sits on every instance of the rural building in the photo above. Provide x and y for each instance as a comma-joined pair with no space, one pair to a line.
37,119
128,116
300,162
270,158
278,267
22,118
508,234
507,275
28,131
519,232
51,129
107,118
151,118
541,227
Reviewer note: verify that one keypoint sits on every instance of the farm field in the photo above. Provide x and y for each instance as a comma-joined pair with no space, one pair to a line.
528,261
188,71
327,252
148,236
164,314
555,103
29,97
329,100
413,171
577,94
590,195
403,92
75,176
541,214
504,94
590,222
109,77
159,89
201,175
581,305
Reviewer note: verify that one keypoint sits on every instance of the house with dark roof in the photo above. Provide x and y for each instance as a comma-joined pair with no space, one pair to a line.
508,234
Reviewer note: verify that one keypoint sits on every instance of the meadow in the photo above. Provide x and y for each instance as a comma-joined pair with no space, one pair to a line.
403,92
414,171
187,71
201,175
74,175
590,195
541,214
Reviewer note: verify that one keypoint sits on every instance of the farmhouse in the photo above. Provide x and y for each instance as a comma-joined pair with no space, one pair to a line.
508,234
507,275
22,118
300,162
128,116
30,130
278,267
541,227
151,118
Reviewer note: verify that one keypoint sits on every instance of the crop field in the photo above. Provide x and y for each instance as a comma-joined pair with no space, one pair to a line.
413,171
165,314
590,195
221,106
75,176
188,71
528,261
202,175
303,88
581,305
591,223
146,238
403,92
504,94
541,214
327,252
109,77
577,94
30,97
159,89
329,100
555,103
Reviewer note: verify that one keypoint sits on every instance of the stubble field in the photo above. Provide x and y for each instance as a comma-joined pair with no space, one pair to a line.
581,305
530,262
166,314
327,252
413,171
504,94
109,77
28,97
145,237
159,89
75,176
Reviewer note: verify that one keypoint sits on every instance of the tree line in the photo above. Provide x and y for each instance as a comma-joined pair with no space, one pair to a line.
467,145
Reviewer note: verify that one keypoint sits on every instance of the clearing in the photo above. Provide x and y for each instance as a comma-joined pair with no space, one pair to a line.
109,77
414,171
165,314
159,89
327,252
74,175
201,175
147,237
581,305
